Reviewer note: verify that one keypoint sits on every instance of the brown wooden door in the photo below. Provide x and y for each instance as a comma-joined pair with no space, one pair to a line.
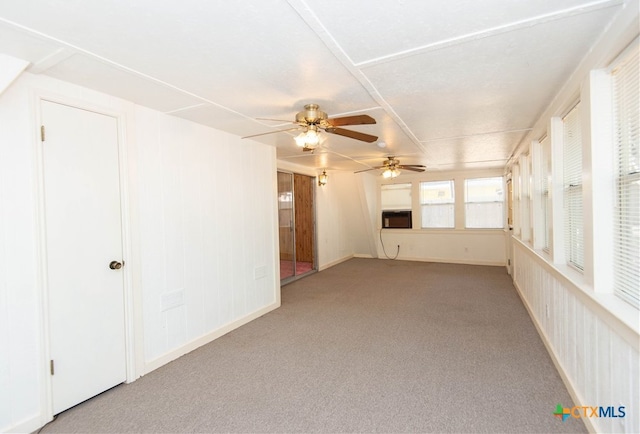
304,221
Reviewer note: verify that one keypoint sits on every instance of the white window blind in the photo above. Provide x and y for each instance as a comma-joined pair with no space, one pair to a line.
573,226
395,196
437,199
484,203
627,167
545,200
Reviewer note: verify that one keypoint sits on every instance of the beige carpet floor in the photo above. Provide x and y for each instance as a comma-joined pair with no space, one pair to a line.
366,346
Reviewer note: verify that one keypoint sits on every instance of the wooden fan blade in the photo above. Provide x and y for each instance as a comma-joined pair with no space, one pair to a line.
416,166
269,132
351,120
410,168
352,134
366,170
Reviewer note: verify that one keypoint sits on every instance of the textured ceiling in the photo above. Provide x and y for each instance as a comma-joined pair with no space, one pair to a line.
452,84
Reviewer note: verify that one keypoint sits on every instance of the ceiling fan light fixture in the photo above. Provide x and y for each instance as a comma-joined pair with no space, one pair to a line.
312,137
308,139
390,172
300,140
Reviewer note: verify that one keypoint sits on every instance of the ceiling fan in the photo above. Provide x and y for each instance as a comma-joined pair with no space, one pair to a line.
392,167
312,121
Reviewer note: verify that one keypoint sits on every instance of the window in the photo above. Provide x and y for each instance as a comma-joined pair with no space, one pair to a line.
484,202
396,196
545,200
572,150
627,174
437,200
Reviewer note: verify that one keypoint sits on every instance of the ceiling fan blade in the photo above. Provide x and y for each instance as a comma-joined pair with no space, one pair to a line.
275,120
415,166
270,132
410,168
352,134
351,120
366,170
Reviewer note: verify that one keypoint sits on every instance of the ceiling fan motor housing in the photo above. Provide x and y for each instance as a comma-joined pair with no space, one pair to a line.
391,162
311,115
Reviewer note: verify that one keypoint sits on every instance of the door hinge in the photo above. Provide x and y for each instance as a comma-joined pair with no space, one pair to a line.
42,133
51,368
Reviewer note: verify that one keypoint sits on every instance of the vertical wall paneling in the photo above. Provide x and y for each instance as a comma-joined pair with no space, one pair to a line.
596,354
207,258
200,231
20,391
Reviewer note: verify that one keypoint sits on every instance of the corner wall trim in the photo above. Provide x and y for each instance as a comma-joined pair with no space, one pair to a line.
336,262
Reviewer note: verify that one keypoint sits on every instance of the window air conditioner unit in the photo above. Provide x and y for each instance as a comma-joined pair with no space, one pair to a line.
396,219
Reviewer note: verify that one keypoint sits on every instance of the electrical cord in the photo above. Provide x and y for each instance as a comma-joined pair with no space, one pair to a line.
385,251
47,424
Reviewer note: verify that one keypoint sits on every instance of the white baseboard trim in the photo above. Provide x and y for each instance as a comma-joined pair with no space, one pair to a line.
565,378
205,339
450,261
360,255
29,425
336,262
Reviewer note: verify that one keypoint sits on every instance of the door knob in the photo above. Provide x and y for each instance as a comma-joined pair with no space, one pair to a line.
115,265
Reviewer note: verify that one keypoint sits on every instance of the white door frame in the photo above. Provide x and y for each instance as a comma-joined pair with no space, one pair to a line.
132,309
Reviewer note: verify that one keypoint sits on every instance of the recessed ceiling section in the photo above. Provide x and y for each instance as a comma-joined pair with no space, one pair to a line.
212,49
501,83
320,158
452,86
486,150
226,120
24,45
103,77
385,31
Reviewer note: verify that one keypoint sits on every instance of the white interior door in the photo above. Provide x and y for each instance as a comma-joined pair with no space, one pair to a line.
83,236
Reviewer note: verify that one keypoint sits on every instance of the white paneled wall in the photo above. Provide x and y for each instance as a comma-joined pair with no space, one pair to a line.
340,220
595,352
202,230
207,209
20,391
468,246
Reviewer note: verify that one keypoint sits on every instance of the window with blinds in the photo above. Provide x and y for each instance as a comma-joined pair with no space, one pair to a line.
484,202
437,199
627,169
573,221
545,199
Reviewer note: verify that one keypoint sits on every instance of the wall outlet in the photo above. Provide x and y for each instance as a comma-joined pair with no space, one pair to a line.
260,272
172,299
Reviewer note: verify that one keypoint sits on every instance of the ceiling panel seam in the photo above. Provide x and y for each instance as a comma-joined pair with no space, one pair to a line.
440,139
83,51
493,31
309,17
